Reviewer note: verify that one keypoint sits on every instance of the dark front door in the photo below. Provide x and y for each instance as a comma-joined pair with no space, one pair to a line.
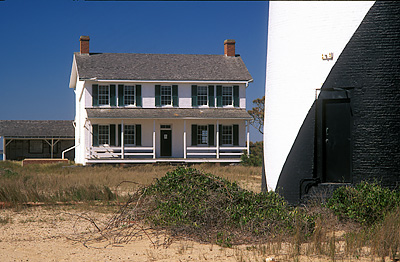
166,142
336,141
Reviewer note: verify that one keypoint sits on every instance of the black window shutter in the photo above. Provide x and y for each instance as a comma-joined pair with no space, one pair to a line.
236,96
121,95
235,135
219,96
113,98
138,95
112,135
138,135
175,98
194,95
211,101
95,133
119,135
220,134
194,135
95,95
158,95
211,135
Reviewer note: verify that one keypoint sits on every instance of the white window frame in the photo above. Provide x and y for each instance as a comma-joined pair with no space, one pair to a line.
132,96
162,88
198,96
133,136
200,136
101,96
224,95
108,135
231,135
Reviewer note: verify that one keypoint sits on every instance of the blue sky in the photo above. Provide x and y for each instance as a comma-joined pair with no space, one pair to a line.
38,38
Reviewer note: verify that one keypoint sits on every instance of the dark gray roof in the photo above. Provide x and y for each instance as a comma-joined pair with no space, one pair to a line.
115,66
37,128
168,113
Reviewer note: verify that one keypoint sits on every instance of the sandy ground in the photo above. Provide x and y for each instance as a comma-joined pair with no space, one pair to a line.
61,234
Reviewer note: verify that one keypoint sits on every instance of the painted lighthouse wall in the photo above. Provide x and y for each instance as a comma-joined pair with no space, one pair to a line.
299,33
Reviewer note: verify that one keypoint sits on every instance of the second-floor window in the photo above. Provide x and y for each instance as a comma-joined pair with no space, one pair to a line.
202,95
104,95
129,95
166,95
227,96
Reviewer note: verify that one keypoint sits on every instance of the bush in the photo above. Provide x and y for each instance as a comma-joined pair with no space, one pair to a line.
206,207
256,155
365,203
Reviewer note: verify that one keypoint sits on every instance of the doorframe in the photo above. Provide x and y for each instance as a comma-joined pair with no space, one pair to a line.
165,126
320,127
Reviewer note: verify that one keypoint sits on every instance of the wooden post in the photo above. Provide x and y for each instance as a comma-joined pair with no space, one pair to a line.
122,140
184,139
248,138
154,139
4,148
218,139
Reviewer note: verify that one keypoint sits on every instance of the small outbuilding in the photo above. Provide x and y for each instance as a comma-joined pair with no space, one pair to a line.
37,139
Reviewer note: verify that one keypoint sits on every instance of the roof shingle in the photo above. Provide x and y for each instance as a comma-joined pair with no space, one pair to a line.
177,67
37,128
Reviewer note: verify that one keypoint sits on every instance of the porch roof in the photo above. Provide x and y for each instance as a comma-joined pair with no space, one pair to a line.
37,128
168,113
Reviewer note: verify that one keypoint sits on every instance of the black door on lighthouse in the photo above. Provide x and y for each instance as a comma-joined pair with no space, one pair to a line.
336,141
166,142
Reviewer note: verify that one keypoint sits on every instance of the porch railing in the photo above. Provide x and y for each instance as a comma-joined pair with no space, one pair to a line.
104,152
215,152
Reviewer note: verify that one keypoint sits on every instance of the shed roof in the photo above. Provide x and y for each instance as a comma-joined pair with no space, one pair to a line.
176,67
168,113
37,128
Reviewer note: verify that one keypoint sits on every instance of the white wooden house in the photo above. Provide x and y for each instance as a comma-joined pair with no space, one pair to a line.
148,108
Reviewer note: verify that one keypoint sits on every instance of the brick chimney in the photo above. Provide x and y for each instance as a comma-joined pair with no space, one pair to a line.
84,39
229,47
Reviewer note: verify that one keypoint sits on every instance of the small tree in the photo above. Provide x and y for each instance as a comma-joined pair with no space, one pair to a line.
257,113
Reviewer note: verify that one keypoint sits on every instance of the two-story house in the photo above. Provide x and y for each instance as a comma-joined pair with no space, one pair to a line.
148,108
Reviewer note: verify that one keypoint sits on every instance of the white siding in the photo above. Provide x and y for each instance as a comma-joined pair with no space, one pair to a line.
298,34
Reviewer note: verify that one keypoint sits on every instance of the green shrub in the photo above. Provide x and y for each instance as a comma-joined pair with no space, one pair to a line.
207,206
365,203
255,158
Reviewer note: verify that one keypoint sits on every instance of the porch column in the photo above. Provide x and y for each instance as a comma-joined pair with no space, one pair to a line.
4,148
217,139
184,139
122,140
154,139
52,148
248,138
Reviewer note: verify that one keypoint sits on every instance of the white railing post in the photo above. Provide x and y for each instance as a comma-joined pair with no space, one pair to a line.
184,139
248,138
218,139
154,139
4,148
122,140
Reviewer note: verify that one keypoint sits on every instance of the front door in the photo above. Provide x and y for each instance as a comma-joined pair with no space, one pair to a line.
166,142
336,141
